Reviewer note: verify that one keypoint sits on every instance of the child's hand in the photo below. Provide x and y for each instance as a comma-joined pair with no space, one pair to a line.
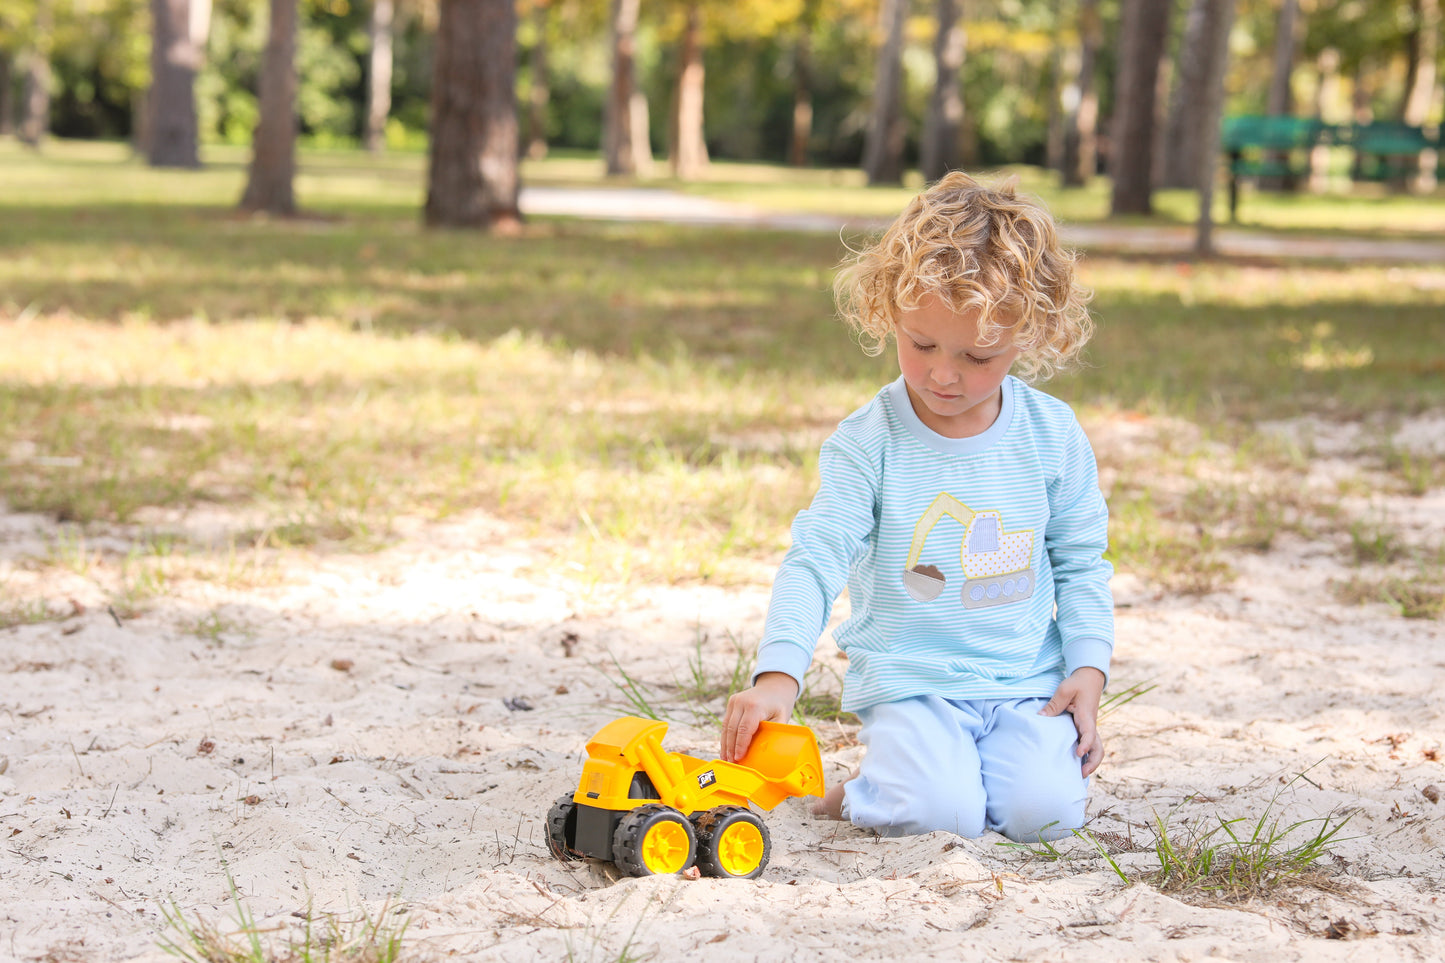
1079,695
770,699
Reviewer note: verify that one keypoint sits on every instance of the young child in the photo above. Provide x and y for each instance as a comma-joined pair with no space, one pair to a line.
961,509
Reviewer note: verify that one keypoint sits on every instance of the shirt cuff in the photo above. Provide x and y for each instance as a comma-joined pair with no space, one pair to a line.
786,657
1094,653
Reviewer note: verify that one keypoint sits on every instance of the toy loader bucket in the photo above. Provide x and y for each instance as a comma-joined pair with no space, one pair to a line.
787,758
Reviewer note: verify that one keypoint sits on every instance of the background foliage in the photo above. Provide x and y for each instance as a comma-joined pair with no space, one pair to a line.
99,51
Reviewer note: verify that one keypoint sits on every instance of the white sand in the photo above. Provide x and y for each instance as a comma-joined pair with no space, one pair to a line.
345,746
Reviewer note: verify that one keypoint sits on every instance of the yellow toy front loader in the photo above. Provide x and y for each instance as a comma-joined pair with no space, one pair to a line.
655,812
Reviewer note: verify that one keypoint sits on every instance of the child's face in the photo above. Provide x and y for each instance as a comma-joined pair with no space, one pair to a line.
953,380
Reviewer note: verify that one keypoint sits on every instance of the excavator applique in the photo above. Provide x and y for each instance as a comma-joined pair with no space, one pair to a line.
996,563
653,812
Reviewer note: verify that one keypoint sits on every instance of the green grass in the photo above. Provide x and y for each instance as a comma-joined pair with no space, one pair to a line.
1237,859
327,939
649,396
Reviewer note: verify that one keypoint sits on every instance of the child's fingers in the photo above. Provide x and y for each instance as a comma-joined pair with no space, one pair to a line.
1061,700
1091,753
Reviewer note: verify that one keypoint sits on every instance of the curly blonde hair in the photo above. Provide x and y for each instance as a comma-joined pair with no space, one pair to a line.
974,248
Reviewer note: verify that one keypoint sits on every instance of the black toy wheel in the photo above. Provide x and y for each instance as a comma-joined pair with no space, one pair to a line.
732,842
562,829
654,840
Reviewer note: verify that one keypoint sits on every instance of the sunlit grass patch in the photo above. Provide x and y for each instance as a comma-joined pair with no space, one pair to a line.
650,398
1418,596
26,611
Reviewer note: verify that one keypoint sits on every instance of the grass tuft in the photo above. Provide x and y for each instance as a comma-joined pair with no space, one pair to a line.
1237,860
1420,596
366,939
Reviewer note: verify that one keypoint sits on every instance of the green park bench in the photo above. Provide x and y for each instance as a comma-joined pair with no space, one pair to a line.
1267,147
1280,147
1386,151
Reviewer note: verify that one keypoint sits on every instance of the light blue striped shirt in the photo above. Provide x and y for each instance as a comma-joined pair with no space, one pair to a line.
974,565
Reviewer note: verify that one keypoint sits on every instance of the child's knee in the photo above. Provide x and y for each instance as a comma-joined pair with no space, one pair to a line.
1028,814
908,810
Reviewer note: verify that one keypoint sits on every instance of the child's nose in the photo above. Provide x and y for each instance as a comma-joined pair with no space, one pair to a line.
945,374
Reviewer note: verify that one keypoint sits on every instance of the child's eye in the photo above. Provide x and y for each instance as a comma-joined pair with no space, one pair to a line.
979,360
921,347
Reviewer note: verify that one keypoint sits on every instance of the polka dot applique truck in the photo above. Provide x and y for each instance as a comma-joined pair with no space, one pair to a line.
655,812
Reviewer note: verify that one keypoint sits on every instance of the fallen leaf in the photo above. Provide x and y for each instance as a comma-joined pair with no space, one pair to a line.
1429,792
252,800
342,665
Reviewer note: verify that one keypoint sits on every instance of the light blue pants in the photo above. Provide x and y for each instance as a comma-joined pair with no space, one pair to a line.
967,766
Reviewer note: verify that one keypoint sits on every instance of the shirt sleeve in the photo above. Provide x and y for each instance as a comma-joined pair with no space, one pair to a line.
1076,539
827,538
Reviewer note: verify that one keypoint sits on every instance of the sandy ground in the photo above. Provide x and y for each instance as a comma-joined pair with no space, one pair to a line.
350,734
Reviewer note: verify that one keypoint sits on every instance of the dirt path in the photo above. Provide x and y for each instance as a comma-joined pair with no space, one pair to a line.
656,204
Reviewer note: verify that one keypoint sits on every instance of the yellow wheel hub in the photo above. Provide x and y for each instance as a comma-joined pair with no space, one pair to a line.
665,848
740,849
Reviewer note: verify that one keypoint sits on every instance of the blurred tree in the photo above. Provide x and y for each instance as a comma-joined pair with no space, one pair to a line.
687,148
7,96
1081,99
802,71
539,91
35,87
883,149
1281,95
1422,50
472,178
1184,126
1220,15
378,74
626,146
1144,28
270,184
939,152
1286,41
178,41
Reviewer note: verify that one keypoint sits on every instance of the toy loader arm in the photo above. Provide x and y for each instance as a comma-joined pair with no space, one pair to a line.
787,759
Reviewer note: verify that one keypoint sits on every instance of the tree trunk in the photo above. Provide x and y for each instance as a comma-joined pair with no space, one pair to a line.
175,60
1221,17
539,94
1056,115
270,185
378,75
802,131
1281,100
619,140
940,153
35,85
1424,45
7,98
1420,87
1144,29
1081,138
883,149
1184,130
473,180
1327,64
689,148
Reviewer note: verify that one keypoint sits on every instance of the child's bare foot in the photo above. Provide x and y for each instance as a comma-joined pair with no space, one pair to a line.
831,805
